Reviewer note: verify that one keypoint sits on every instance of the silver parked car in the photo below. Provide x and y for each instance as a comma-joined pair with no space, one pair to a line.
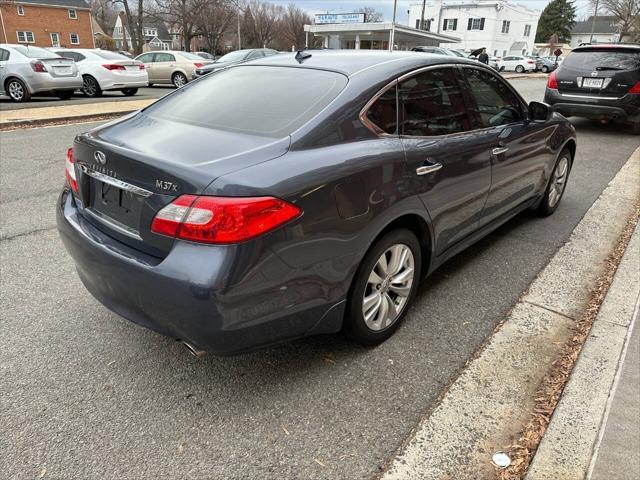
27,71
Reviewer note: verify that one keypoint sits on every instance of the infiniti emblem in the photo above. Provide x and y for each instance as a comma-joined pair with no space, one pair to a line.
100,157
594,73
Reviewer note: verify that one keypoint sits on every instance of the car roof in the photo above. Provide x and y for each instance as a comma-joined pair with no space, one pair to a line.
352,62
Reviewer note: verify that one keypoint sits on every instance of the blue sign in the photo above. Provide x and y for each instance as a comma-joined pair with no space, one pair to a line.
324,18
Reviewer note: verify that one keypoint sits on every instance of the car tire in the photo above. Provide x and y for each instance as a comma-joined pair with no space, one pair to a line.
129,91
519,69
557,184
17,90
65,94
91,87
545,69
373,324
179,79
150,85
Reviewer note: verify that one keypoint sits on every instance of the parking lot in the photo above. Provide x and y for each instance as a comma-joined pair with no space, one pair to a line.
88,394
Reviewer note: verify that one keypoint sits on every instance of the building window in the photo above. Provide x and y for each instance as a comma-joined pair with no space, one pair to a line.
450,24
527,30
475,24
74,39
150,32
505,26
20,10
26,37
73,14
55,40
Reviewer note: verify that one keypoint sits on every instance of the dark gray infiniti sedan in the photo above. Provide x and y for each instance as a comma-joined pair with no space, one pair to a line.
303,194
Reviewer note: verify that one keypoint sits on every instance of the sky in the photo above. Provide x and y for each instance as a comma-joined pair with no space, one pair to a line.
386,6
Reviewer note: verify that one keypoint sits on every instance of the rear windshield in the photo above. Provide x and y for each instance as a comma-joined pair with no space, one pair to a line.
256,100
190,56
233,56
34,52
594,59
110,55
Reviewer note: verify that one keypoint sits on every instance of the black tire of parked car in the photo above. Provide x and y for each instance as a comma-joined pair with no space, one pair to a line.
545,209
91,87
17,90
129,91
545,69
354,323
65,94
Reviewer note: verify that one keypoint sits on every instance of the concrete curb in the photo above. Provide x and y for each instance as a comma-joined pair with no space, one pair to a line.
567,447
485,408
39,122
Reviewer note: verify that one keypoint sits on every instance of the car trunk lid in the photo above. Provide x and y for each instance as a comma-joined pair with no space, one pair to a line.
129,170
60,67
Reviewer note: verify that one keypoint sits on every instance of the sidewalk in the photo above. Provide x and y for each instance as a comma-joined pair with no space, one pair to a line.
595,430
46,115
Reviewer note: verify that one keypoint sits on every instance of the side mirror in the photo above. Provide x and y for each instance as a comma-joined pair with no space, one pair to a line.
540,112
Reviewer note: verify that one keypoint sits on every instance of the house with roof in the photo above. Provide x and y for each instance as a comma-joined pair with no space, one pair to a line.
46,23
154,32
606,29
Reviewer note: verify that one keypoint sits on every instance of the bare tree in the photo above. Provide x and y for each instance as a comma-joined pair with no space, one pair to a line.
261,20
371,15
184,14
134,18
105,14
627,12
291,30
215,19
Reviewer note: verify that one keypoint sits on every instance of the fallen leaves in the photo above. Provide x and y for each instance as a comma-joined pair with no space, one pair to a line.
181,447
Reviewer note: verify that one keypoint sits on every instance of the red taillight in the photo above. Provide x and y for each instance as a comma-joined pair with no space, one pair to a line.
222,219
70,172
530,62
38,67
553,81
141,66
635,88
198,64
113,66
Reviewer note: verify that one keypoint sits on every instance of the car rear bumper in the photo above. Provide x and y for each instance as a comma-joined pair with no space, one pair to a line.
43,82
187,295
120,81
625,109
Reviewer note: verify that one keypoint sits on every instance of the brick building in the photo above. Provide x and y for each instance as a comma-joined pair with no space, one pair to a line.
46,23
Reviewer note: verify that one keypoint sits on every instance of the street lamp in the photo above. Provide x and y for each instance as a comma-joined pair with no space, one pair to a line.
392,34
236,3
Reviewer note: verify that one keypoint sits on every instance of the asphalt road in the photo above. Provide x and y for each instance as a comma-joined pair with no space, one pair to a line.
156,91
86,394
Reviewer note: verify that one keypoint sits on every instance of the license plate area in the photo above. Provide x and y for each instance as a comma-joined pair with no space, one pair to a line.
592,82
118,208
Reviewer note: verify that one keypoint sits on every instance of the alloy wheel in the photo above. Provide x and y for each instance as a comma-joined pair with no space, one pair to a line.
16,90
179,80
89,86
388,287
558,181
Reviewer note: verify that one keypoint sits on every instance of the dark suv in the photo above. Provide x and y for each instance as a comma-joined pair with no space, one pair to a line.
601,82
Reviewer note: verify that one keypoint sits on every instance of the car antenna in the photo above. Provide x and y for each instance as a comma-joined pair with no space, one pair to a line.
301,56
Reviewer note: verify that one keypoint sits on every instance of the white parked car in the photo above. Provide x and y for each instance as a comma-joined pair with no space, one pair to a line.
517,63
27,71
103,70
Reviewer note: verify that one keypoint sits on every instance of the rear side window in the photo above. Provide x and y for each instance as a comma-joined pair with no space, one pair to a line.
4,55
603,59
256,100
382,116
495,103
431,103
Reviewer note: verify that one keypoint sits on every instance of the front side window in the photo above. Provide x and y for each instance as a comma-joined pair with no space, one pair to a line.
145,58
431,103
164,57
254,100
505,26
73,14
382,116
74,39
495,103
26,37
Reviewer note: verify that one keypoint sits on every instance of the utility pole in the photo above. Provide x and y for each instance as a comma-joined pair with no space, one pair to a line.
239,40
392,34
593,23
424,4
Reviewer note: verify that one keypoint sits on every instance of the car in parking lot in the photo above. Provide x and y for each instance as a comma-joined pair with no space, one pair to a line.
517,63
103,70
27,71
171,66
600,82
206,55
235,58
303,194
545,65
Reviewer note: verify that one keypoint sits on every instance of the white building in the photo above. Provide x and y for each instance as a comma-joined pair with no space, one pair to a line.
606,29
501,27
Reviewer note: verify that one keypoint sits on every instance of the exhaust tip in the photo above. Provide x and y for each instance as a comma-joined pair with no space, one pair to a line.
193,350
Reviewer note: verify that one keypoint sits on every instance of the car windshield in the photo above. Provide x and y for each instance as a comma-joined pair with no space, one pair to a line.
264,101
232,56
593,59
190,56
35,52
107,55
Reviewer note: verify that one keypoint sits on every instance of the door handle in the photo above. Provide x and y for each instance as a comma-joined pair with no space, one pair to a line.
499,150
426,169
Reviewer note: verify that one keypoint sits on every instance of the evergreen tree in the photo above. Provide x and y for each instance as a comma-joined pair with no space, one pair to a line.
558,18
